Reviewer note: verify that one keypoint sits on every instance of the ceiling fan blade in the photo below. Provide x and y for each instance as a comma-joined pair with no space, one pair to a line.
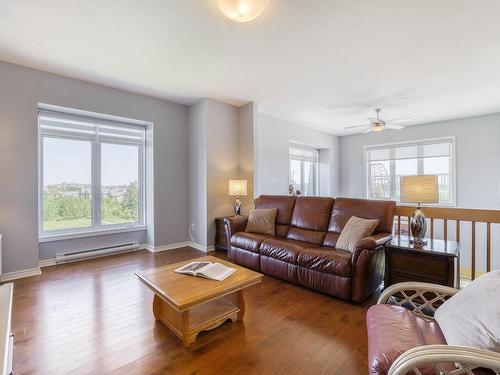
356,126
398,120
369,130
394,127
372,119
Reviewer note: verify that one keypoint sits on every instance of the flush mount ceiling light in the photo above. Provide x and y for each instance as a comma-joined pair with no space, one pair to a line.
241,10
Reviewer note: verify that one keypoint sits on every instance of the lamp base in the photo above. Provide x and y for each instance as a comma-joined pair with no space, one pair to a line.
418,227
237,206
418,243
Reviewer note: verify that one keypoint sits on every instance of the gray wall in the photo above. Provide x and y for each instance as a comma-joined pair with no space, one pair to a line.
220,149
247,118
477,170
477,157
198,172
272,148
21,90
223,161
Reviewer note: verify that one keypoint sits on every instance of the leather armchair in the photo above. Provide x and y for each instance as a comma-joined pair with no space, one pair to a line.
404,338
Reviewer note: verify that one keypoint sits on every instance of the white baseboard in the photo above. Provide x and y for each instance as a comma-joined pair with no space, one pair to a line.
177,245
204,248
146,246
20,274
171,246
47,262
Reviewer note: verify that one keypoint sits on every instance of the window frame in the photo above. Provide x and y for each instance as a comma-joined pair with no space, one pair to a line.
316,169
96,227
392,181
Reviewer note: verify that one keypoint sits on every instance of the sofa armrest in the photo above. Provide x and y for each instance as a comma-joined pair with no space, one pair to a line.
367,262
233,225
465,359
421,298
370,243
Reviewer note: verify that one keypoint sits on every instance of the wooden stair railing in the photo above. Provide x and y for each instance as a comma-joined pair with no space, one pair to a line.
458,215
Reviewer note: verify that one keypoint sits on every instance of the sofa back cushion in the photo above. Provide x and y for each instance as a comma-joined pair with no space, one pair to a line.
284,204
344,208
310,219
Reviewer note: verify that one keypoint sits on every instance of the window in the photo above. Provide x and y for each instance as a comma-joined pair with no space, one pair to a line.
385,164
304,169
91,174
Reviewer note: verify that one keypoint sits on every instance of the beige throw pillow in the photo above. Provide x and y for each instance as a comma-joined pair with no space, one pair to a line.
262,221
355,230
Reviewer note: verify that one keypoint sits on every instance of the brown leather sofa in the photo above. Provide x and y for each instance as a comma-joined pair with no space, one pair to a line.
303,249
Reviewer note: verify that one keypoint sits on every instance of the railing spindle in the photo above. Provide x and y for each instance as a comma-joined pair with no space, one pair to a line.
432,228
399,225
445,232
488,247
409,227
473,264
457,232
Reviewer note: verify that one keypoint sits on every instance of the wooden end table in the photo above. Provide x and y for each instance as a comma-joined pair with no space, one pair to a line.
188,305
436,262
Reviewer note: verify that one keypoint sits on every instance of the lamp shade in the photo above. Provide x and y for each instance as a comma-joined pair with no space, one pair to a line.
237,188
419,189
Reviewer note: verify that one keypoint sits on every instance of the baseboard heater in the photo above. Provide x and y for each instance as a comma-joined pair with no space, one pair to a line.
96,253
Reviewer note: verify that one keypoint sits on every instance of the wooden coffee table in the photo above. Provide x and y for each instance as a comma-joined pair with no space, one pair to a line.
188,305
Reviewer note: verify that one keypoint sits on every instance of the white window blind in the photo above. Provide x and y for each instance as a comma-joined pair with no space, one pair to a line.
74,126
303,153
385,164
429,149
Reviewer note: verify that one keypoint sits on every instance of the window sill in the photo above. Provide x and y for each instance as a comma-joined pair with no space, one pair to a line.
437,205
398,203
102,232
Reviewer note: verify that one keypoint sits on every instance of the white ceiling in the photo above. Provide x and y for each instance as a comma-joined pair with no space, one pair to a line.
321,63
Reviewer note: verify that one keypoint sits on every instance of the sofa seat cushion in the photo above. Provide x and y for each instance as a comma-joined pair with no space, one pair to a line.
283,249
248,241
326,259
392,330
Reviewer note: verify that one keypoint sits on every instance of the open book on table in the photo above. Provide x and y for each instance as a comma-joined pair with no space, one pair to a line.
214,271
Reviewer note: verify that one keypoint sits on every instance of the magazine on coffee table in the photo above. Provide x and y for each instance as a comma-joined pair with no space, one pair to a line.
209,270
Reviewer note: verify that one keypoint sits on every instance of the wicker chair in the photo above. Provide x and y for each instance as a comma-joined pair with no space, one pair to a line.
423,299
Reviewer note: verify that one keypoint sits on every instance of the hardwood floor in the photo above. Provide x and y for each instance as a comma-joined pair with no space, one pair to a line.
95,317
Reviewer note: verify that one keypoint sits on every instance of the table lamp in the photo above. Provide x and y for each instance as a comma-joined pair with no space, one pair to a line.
237,188
419,189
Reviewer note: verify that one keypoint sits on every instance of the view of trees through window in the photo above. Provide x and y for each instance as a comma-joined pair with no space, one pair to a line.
70,167
66,183
69,205
119,188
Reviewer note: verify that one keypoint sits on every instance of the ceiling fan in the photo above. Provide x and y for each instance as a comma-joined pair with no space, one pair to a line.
378,124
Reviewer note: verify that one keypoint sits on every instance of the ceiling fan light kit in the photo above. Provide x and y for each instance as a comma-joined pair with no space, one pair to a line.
377,124
241,10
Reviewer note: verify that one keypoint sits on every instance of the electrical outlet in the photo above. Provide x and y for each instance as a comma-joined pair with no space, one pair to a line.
191,231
